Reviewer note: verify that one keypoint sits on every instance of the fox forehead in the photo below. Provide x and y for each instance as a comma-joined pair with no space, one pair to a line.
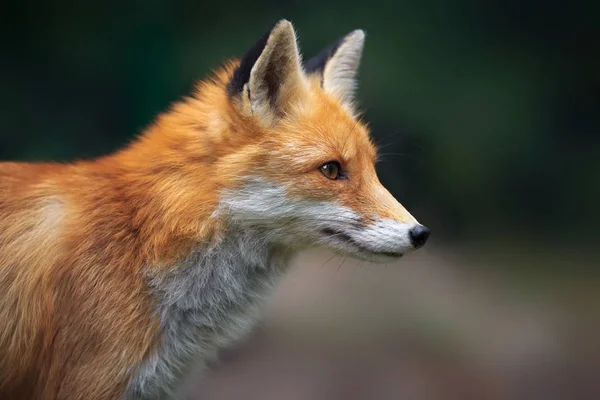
323,131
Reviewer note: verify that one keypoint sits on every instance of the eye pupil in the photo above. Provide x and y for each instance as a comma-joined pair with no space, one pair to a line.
331,170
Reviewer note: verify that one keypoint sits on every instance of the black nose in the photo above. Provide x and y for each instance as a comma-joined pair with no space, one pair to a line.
419,235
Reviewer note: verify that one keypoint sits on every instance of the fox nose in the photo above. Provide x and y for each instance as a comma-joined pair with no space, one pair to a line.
419,235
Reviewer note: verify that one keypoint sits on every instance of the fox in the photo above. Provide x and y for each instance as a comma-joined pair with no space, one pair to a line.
118,273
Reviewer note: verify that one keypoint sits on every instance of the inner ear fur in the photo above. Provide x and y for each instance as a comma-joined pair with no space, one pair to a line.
336,66
270,78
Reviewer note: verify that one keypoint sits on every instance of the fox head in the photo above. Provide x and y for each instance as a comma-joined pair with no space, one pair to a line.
283,153
313,179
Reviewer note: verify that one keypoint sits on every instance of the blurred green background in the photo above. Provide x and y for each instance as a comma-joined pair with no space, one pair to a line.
487,113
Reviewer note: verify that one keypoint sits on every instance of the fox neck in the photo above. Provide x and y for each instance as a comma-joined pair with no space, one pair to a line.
207,301
208,275
171,177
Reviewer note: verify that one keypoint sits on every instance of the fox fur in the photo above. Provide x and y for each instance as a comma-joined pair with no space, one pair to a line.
118,273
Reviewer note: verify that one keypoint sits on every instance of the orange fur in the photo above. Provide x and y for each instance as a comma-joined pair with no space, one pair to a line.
74,243
77,240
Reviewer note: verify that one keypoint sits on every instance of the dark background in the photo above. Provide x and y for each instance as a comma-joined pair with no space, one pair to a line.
487,113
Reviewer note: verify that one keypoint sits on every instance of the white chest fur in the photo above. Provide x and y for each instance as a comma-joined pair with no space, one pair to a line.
207,302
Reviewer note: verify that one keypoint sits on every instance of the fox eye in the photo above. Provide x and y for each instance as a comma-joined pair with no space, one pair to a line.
332,170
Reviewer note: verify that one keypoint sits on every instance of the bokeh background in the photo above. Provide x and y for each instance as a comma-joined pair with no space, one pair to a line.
488,117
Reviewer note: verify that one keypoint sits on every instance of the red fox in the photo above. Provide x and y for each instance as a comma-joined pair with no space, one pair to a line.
116,274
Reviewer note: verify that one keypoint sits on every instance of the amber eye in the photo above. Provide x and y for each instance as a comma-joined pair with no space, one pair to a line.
332,170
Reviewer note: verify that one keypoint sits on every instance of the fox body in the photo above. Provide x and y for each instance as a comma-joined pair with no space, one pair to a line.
116,274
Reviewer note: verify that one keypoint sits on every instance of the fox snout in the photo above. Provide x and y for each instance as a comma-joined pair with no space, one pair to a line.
386,239
388,231
417,233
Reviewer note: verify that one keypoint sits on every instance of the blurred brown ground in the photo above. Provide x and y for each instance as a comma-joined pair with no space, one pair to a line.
439,324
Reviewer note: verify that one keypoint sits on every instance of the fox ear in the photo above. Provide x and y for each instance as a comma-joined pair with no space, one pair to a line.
269,78
337,65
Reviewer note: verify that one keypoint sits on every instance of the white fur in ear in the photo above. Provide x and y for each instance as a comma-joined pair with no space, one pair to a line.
276,78
339,74
336,66
270,79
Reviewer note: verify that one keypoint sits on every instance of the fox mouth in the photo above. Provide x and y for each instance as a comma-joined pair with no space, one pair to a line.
342,237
